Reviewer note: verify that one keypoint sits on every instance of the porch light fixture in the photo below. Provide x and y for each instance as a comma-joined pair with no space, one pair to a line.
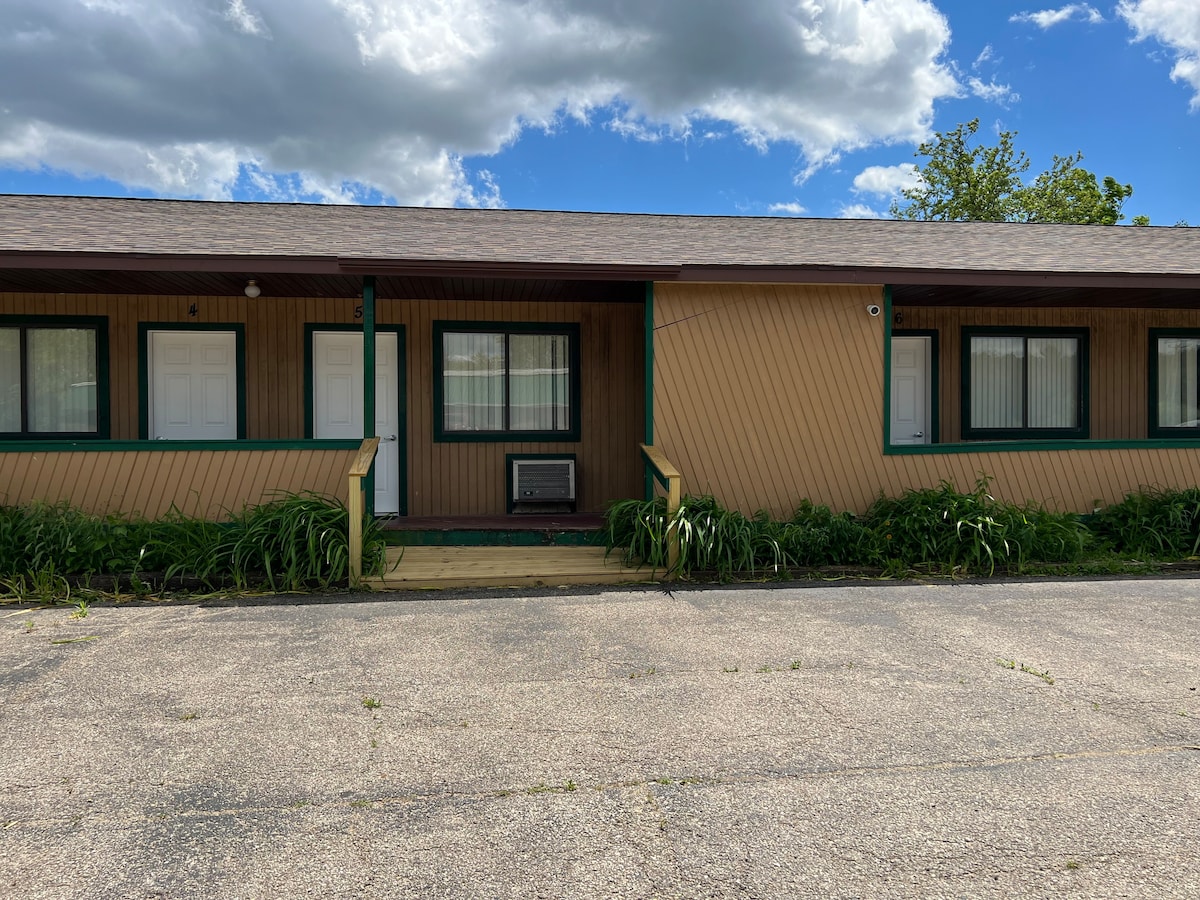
252,289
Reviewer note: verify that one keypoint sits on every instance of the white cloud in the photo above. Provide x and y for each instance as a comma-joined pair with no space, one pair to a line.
786,209
346,99
1175,24
860,211
993,92
984,56
887,181
244,19
1048,18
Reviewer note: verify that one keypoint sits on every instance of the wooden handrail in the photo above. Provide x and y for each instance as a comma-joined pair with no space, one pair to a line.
670,477
359,469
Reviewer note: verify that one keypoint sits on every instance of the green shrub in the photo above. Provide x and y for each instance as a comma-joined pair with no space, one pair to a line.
294,542
940,528
1153,523
972,532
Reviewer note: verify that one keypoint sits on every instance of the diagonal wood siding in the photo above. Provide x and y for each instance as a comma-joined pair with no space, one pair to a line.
767,395
443,478
202,483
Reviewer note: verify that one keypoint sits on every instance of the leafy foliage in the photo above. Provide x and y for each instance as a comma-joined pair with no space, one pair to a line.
939,529
973,531
294,542
1155,524
966,182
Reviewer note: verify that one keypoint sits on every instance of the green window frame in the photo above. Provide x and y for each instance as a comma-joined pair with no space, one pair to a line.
500,342
81,407
1174,383
1030,386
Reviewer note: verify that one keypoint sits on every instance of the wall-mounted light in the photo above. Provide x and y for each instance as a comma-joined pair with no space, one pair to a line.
252,289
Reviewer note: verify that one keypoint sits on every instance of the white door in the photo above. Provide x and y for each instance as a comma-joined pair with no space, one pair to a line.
338,402
192,385
910,402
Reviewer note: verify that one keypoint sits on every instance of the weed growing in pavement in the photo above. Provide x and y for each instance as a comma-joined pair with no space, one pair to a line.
371,703
1029,670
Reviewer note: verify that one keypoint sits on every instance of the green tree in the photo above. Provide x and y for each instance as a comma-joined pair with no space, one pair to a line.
965,181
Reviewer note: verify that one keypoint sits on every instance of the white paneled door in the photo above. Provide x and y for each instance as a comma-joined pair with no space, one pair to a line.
910,402
338,402
192,385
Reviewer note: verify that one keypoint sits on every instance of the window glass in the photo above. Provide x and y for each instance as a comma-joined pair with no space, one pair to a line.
997,381
540,380
473,389
1178,403
61,371
1023,383
10,380
1053,394
500,382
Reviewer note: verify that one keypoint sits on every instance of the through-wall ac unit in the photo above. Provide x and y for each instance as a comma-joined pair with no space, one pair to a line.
543,481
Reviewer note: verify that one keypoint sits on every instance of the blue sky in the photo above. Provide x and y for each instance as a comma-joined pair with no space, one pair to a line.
730,107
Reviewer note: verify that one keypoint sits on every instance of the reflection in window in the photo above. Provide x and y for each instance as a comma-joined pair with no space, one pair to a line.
48,380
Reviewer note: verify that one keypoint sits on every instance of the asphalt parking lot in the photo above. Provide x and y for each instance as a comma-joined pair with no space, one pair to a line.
1031,740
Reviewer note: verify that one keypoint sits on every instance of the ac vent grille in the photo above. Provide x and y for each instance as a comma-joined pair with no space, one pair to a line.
541,480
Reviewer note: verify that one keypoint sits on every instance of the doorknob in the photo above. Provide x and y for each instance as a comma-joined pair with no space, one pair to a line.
918,434
390,437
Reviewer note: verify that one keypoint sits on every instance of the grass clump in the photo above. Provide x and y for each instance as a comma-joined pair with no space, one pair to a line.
1154,523
937,530
293,542
972,532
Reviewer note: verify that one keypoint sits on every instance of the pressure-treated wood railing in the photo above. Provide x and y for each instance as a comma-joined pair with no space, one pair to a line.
668,476
359,469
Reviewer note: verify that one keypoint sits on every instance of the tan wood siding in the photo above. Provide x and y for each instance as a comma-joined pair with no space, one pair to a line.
768,395
1118,347
443,478
202,483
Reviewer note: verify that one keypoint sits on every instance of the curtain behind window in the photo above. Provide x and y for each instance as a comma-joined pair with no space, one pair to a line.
473,394
1178,402
540,382
61,374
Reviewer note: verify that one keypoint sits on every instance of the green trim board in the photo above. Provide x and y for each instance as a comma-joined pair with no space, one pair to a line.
570,329
103,374
508,472
887,366
311,328
1037,446
1080,431
239,340
648,367
935,383
94,446
1153,429
368,304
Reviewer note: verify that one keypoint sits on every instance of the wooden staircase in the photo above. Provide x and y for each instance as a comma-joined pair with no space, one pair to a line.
423,568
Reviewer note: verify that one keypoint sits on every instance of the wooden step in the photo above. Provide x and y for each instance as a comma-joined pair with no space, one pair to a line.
416,568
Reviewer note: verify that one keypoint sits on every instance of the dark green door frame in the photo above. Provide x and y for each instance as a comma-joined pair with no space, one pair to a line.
368,304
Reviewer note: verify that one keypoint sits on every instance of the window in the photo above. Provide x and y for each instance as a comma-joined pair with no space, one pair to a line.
1024,383
506,381
1174,372
52,377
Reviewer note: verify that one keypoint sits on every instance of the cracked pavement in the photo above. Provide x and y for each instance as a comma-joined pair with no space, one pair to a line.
780,742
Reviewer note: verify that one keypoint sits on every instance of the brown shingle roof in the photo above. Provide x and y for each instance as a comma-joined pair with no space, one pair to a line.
90,225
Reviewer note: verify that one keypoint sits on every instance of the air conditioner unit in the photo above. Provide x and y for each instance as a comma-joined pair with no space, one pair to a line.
543,481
